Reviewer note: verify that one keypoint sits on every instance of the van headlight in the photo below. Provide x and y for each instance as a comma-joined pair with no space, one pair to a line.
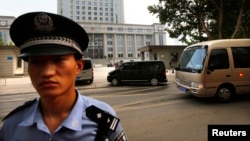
177,80
196,85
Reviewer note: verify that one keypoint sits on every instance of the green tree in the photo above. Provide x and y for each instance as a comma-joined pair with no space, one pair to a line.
1,42
200,20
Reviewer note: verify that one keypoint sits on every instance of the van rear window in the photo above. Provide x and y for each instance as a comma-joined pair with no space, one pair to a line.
87,64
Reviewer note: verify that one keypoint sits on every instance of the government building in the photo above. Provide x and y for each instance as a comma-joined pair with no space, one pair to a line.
110,38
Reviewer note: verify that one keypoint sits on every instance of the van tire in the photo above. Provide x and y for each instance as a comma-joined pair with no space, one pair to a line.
224,93
154,81
115,82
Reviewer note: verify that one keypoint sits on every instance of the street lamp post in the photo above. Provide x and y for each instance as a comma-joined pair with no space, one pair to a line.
93,38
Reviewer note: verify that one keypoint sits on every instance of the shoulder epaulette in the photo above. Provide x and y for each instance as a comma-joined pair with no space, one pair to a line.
26,104
106,122
103,118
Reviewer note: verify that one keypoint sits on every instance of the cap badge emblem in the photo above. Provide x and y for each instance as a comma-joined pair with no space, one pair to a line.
43,23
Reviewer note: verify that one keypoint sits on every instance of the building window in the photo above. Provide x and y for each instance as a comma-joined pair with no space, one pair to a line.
130,43
110,55
160,39
109,36
149,30
139,30
110,28
110,42
120,29
120,43
130,36
148,37
120,36
148,43
120,49
130,55
120,55
110,49
130,49
130,29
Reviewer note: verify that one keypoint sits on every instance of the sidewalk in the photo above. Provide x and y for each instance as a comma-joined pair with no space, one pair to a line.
23,84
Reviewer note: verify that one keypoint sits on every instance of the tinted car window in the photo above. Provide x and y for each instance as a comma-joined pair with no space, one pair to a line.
219,59
241,56
87,64
126,66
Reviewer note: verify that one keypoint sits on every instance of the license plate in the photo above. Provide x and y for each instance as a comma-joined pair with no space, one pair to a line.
182,89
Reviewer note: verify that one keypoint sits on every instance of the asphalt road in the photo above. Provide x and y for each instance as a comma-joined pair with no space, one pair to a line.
156,112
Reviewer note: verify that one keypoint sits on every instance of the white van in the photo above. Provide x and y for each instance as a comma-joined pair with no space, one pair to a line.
87,74
218,68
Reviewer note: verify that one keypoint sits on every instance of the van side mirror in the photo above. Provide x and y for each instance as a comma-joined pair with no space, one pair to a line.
211,67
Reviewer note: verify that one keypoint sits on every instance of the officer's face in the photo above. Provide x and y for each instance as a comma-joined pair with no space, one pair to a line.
54,75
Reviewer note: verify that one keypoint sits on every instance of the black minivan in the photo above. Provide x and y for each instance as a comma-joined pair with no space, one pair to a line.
152,72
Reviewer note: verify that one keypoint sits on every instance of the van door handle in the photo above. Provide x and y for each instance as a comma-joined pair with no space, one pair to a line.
228,75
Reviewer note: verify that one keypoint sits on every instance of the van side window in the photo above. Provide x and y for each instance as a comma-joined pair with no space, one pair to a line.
241,57
219,59
87,64
127,66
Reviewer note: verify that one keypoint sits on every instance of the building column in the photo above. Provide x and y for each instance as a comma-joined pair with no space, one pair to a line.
115,55
125,52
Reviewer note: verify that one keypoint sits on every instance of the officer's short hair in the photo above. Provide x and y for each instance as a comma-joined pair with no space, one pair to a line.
43,33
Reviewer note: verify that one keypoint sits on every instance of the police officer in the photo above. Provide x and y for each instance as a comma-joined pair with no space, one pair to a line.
53,46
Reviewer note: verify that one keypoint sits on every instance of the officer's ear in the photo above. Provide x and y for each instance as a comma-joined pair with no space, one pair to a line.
79,65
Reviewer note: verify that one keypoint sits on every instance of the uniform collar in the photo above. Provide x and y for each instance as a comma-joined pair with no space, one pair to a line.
73,121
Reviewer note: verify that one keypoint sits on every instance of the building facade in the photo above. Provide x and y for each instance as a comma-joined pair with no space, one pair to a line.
121,41
101,11
109,37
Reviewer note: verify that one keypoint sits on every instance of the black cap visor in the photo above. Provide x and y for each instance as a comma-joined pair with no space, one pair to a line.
46,50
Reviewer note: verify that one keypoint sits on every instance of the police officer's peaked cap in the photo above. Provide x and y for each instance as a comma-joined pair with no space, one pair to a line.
42,33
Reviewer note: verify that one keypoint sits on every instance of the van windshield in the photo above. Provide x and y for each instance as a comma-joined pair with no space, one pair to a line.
192,59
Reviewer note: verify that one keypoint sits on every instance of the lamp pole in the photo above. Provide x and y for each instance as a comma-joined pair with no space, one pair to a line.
93,45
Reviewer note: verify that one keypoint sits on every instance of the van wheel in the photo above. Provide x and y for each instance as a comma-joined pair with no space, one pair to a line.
224,93
114,82
154,82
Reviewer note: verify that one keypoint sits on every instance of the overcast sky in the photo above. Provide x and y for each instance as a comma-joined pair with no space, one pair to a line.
135,10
